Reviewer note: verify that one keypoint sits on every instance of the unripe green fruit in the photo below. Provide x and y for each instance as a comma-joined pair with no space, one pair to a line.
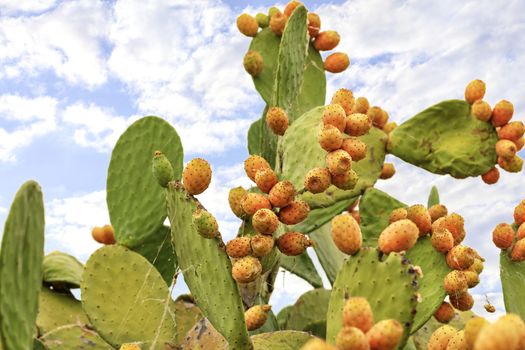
253,63
205,223
262,19
162,169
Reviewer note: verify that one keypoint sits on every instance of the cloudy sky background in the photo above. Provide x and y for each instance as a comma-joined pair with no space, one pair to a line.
75,74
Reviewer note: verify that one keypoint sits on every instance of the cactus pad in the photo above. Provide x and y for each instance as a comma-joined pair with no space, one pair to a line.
135,200
74,337
207,269
389,283
126,299
21,267
261,140
330,257
513,282
186,316
446,139
302,266
281,340
58,309
61,268
203,337
433,197
309,312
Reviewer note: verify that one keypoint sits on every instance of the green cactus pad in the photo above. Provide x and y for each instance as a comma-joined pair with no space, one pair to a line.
410,345
261,140
282,316
61,268
389,284
21,267
126,299
281,340
37,345
512,276
299,151
433,197
74,337
186,316
330,257
435,268
135,200
422,336
58,309
206,269
446,139
309,312
159,252
203,337
302,266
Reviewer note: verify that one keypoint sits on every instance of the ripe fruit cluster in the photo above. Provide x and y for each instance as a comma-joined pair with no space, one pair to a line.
510,134
511,238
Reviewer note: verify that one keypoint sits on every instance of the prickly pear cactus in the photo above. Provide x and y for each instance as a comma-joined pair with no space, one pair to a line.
512,275
330,257
446,139
302,266
74,337
309,312
62,270
21,267
58,309
281,340
422,336
389,283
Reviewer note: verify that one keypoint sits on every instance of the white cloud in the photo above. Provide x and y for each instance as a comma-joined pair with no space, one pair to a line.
23,119
31,6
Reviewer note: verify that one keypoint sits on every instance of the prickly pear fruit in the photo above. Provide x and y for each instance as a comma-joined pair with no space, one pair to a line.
338,162
130,346
388,171
502,113
518,251
235,197
378,116
398,214
277,120
458,342
437,211
460,257
361,106
272,11
351,338
481,110
519,213
491,176
314,24
454,223
330,138
294,212
472,278
506,149
512,165
277,23
441,337
474,91
282,194
357,124
499,335
290,7
520,233
346,234
398,236
335,115
247,25
104,234
419,215
347,181
385,335
503,236
256,316
336,62
253,164
265,179
293,243
327,40
442,240
262,20
477,266
205,223
196,176
317,344
239,247
516,323
358,313
317,180
389,127
472,329
455,283
345,98
445,313
265,221
261,245
246,269
519,143
162,169
462,302
253,63
253,202
512,131
355,148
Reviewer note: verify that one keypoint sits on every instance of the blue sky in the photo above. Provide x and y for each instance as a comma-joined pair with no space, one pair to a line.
75,74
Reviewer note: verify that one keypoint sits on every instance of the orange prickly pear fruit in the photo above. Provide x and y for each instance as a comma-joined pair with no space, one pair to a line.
445,313
503,236
462,302
518,251
472,329
347,181
437,211
265,221
253,164
458,342
358,313
345,98
290,7
261,245
338,162
196,176
247,25
337,62
256,316
317,180
388,171
334,115
330,138
277,120
314,24
460,257
502,113
238,247
253,63
481,110
454,223
455,282
327,40
253,202
104,234
385,335
265,179
398,214
506,149
491,176
317,344
293,243
378,116
419,215
357,124
246,269
277,23
441,337
512,131
512,165
442,240
355,148
398,236
346,234
361,106
520,233
472,278
282,194
205,224
294,212
235,197
474,91
351,338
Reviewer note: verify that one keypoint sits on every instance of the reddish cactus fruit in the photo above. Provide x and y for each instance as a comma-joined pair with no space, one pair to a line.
317,180
277,120
337,62
265,221
282,194
196,176
502,113
474,91
239,247
294,212
253,202
293,243
327,40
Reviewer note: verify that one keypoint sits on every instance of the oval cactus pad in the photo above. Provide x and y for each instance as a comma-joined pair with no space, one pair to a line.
62,268
74,337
